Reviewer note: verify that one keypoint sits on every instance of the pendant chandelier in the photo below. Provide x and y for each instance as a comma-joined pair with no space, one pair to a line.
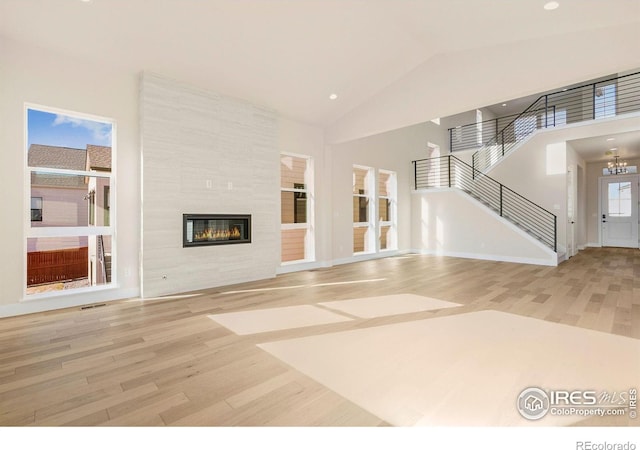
617,167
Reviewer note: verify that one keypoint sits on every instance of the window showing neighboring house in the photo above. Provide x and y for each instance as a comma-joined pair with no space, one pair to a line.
363,210
296,208
387,200
68,160
36,209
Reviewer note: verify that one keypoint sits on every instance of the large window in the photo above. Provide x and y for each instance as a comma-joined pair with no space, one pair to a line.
296,208
69,235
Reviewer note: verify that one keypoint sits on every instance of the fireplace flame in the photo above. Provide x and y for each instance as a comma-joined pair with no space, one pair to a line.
212,234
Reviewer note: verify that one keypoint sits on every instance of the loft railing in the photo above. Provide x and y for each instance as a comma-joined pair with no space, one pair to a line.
449,171
474,136
607,98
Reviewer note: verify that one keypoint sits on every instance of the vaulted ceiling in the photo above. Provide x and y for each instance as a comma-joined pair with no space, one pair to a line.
378,56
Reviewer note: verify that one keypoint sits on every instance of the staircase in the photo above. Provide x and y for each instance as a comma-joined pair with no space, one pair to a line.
107,266
104,262
449,171
604,99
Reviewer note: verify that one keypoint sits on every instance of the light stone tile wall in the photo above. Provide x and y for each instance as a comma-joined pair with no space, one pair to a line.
205,153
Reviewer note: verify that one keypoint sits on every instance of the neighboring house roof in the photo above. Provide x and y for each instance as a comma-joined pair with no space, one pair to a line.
57,157
98,157
53,157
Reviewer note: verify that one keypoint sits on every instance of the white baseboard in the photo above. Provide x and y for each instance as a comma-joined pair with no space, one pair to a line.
71,300
487,257
369,256
299,267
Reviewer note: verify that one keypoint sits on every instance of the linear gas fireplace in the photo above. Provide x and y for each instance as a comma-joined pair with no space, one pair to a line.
215,229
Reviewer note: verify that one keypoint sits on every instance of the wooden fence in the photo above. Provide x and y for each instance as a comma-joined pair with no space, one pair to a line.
57,265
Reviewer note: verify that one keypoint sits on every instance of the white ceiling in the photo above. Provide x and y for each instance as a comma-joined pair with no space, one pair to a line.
625,145
291,54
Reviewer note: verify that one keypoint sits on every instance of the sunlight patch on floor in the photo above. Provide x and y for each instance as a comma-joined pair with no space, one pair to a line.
462,370
388,305
274,319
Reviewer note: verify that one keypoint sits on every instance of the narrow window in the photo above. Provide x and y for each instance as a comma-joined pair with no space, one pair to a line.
387,200
363,210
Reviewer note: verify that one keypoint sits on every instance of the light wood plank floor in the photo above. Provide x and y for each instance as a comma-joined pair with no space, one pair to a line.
165,362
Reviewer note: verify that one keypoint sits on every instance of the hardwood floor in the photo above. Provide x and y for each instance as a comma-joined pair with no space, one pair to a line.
165,362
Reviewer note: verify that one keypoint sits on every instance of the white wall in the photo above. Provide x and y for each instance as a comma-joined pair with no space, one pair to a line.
206,153
450,83
29,74
393,151
451,223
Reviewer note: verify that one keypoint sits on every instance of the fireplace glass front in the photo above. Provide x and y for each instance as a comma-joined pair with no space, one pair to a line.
216,229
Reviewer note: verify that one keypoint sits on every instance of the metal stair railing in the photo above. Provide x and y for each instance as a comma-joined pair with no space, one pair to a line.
603,99
101,258
449,171
473,136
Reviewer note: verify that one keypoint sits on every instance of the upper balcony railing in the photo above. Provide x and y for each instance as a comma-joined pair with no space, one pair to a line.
607,98
474,136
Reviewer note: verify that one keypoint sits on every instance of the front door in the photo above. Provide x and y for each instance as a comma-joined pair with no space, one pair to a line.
619,214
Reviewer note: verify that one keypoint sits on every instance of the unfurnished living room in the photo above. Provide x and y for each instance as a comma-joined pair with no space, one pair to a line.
373,214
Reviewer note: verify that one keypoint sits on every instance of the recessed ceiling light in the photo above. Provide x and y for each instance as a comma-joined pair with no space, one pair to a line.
565,89
613,149
611,139
504,104
550,6
85,1
333,96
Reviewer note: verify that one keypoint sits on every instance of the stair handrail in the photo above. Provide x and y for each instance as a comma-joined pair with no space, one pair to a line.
477,177
101,258
546,103
475,124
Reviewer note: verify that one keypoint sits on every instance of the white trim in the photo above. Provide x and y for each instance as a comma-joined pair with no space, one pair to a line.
489,257
594,244
79,173
294,226
300,266
369,256
72,299
44,232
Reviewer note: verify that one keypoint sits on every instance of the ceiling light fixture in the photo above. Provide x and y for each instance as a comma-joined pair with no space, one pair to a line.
617,167
333,96
550,6
504,104
611,139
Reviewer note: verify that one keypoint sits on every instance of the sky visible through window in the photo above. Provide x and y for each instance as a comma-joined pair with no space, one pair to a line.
65,131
